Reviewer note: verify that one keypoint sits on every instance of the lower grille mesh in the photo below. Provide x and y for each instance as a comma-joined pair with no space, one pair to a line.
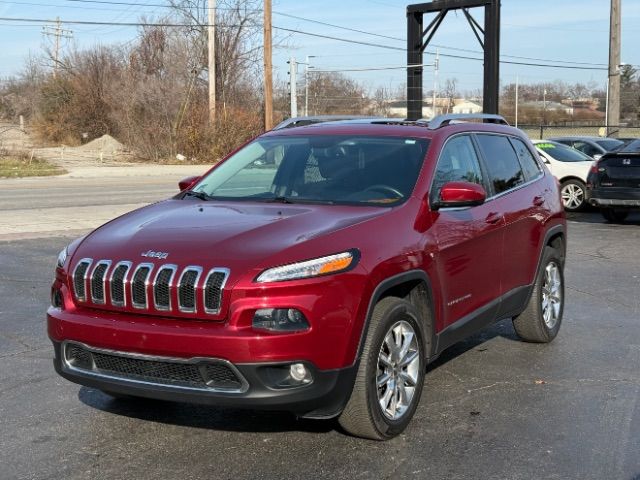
205,375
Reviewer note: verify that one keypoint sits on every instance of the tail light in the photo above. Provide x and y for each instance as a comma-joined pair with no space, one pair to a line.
594,166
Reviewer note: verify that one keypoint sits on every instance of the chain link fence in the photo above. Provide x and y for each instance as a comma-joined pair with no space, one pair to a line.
541,132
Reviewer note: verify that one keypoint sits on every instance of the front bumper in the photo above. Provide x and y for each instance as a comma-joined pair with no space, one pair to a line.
614,197
324,397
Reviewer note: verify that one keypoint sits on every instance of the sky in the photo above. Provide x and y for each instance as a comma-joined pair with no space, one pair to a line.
552,31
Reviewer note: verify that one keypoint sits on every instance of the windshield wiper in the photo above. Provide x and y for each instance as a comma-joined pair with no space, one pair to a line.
279,200
199,195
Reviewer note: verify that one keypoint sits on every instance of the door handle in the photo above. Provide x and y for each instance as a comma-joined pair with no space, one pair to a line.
493,218
538,200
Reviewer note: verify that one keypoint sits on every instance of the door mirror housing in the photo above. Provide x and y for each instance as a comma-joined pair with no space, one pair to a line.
461,194
187,182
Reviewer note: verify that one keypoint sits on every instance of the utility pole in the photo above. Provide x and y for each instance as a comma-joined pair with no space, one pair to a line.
58,32
613,100
212,61
517,94
306,84
268,68
293,86
436,69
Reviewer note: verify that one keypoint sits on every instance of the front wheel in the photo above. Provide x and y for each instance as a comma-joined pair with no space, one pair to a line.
612,215
572,193
389,382
540,321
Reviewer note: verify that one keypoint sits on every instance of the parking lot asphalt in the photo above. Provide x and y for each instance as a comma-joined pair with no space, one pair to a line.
493,407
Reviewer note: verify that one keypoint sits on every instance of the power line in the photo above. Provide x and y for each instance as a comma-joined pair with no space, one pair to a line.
291,30
388,37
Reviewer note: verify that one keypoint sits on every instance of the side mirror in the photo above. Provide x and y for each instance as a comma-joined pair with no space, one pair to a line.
187,182
461,194
597,156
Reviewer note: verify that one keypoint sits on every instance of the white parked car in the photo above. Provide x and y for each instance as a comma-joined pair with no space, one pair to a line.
570,167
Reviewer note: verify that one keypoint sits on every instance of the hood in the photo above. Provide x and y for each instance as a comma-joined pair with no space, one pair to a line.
238,235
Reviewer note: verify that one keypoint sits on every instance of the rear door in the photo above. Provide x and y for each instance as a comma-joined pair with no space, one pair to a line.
514,173
470,239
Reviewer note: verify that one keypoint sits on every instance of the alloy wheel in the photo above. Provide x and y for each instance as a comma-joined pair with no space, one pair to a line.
572,196
398,370
551,295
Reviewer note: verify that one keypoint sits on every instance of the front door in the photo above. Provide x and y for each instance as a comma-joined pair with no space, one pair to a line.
470,240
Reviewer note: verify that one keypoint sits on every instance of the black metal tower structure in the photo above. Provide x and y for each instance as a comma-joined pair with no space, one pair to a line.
418,39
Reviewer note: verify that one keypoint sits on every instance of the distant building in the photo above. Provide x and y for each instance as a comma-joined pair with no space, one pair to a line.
466,106
548,106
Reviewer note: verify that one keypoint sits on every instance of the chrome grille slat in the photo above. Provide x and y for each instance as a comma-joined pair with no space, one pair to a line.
139,283
117,284
188,289
99,280
80,277
213,287
162,287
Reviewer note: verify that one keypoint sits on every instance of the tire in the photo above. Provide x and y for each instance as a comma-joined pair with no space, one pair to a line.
612,215
541,319
573,193
363,415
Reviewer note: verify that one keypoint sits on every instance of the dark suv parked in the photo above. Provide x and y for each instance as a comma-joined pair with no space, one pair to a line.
318,270
613,183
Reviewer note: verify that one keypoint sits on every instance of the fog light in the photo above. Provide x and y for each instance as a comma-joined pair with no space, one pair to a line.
56,298
280,320
298,372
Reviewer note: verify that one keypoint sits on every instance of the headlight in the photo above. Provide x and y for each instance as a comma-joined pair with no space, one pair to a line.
62,257
339,262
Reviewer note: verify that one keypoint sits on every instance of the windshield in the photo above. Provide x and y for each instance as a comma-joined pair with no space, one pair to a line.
319,169
610,144
563,153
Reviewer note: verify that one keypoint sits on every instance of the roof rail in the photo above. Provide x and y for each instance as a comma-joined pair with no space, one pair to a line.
443,120
312,120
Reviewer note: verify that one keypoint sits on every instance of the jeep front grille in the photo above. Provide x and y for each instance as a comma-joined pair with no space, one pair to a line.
207,374
148,287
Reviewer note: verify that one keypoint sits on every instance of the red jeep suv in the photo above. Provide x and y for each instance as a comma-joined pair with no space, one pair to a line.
318,270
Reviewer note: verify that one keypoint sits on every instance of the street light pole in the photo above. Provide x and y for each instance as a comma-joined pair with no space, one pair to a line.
306,84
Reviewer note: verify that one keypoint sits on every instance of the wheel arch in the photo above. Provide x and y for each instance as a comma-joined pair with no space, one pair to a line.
413,286
573,177
554,237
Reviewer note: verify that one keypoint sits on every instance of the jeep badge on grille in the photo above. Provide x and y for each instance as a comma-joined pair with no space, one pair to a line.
152,254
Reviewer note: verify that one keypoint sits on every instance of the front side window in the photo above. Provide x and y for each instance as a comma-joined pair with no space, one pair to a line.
458,163
319,169
503,166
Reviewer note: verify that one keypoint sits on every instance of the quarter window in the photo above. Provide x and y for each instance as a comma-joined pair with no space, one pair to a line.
503,166
458,163
529,165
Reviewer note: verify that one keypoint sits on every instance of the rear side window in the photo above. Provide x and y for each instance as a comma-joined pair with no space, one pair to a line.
529,165
503,166
458,163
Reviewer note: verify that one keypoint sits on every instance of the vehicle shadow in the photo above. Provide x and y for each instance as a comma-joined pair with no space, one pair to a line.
200,416
254,421
503,329
594,216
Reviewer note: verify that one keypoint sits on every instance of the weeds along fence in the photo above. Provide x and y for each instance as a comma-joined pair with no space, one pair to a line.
542,132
